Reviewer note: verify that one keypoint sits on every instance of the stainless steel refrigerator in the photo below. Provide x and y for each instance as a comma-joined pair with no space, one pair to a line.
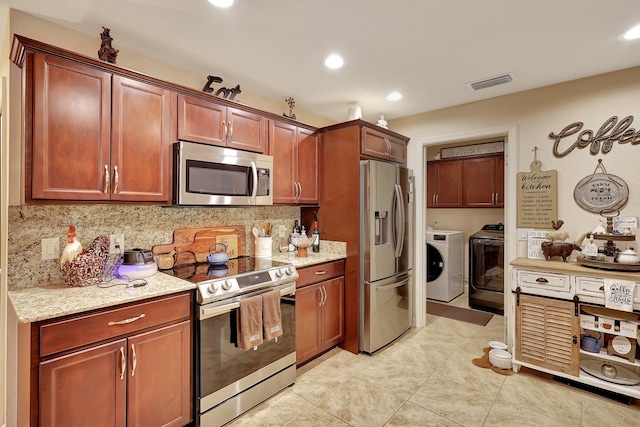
386,248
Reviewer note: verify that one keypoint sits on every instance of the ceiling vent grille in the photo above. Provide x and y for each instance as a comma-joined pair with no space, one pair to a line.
492,81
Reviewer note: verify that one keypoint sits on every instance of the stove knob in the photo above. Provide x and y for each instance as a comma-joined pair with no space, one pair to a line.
279,273
213,288
289,271
226,285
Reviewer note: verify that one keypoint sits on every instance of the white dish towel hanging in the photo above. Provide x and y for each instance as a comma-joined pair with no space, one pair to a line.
619,294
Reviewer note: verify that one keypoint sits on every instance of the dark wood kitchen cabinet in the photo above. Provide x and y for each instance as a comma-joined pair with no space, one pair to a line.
296,157
92,135
319,309
476,182
484,182
444,184
208,122
384,146
124,366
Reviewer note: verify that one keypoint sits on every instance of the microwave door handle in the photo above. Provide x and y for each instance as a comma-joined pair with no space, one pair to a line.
254,174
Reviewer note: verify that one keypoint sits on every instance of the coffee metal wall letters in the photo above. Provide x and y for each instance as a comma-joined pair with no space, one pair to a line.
602,141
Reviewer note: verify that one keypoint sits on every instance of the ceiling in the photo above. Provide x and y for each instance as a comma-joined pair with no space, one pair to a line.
426,49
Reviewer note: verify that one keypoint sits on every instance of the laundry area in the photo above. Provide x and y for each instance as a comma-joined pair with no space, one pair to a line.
465,233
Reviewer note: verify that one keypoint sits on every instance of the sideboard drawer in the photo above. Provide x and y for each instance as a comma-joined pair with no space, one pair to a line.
544,283
594,287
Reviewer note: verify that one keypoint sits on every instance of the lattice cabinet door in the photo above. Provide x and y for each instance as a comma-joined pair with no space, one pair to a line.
547,333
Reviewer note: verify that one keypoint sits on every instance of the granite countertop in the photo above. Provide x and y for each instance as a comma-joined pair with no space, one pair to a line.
55,300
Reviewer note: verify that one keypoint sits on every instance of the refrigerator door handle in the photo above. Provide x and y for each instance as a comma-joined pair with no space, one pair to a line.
398,221
392,285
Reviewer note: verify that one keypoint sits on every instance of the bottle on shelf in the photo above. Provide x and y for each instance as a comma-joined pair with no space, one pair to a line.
315,234
293,238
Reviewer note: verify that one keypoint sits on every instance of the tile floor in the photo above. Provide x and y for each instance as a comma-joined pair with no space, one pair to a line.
427,379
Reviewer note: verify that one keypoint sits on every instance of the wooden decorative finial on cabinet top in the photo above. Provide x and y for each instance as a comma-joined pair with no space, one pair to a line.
106,52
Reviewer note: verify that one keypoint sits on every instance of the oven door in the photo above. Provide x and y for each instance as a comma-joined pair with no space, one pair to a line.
224,370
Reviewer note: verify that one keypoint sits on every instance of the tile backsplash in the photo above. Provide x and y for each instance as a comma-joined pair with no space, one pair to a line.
143,227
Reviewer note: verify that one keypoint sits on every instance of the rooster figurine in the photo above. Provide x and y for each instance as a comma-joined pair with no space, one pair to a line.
73,247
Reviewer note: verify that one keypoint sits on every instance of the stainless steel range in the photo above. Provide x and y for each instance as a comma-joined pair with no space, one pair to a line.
230,380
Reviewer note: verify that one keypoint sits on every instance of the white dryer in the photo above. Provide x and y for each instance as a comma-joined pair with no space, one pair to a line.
445,264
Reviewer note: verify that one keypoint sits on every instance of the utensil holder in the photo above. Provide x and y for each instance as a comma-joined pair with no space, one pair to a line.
264,246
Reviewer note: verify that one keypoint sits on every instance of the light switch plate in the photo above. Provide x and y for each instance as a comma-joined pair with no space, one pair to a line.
50,248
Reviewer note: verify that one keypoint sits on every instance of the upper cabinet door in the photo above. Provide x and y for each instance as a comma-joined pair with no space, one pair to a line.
284,149
383,146
308,166
483,188
71,130
444,184
142,135
246,131
202,121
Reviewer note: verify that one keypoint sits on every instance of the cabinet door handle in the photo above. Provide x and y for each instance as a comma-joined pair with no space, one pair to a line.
135,360
116,180
123,363
324,298
224,131
321,296
126,321
107,179
230,131
437,199
321,272
300,193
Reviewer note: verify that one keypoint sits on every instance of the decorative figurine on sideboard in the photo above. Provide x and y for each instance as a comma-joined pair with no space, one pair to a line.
552,248
106,52
292,103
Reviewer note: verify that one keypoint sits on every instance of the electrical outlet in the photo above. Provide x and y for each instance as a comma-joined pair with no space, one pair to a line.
50,248
116,240
282,230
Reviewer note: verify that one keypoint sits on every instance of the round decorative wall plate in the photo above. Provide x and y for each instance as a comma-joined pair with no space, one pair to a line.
601,193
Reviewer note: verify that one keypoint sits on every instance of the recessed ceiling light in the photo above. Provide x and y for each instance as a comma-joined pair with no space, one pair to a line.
394,96
221,3
633,33
333,61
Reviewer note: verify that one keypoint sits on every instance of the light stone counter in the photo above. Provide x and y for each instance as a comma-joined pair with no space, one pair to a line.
55,300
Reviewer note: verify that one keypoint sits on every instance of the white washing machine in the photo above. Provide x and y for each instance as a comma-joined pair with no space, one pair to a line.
445,264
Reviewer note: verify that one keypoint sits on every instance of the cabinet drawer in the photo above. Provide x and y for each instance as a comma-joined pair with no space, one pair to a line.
594,287
530,281
85,329
318,273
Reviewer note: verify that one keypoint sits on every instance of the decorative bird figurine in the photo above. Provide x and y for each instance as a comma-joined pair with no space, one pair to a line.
73,247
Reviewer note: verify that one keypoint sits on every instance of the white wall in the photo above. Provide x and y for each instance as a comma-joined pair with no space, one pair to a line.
528,118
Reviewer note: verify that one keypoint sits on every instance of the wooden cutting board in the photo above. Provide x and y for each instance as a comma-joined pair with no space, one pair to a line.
200,241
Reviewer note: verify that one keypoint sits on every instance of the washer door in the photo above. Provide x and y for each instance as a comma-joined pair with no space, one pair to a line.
435,263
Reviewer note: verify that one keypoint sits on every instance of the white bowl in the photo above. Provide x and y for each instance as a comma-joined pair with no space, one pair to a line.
497,344
500,358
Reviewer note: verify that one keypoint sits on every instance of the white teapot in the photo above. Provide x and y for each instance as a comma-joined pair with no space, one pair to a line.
628,256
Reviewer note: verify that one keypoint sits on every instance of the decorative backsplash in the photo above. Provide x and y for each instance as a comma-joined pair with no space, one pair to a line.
143,227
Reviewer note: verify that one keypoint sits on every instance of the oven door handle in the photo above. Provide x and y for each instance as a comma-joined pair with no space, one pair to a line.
207,312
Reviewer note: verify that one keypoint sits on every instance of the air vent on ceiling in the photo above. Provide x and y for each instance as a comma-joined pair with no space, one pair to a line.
491,81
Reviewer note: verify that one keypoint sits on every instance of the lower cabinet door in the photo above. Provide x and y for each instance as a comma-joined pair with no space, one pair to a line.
86,388
159,375
333,312
308,300
547,332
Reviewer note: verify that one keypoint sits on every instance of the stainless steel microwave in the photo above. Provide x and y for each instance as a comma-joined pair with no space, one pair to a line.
207,175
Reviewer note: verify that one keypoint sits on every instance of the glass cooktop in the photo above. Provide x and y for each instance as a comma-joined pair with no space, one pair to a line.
201,272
